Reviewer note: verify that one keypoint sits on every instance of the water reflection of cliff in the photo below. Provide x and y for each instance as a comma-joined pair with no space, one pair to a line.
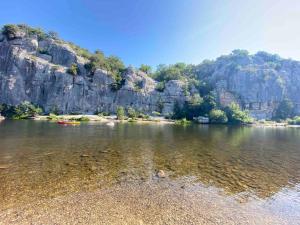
45,160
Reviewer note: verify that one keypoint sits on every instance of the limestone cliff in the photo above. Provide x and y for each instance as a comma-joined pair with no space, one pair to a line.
258,83
35,69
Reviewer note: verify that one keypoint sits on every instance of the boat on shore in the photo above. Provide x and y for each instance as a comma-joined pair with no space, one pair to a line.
68,122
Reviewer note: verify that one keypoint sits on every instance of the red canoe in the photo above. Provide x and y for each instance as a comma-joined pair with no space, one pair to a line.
68,122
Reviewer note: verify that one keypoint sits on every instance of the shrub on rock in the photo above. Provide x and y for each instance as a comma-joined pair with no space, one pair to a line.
217,116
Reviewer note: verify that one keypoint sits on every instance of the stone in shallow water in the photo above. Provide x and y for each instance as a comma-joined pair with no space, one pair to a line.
161,174
2,167
49,153
71,164
93,168
103,151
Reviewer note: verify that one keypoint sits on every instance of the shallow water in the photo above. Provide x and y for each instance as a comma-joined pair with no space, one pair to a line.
259,166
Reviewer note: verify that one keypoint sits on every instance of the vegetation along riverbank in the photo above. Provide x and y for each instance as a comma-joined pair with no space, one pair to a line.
231,115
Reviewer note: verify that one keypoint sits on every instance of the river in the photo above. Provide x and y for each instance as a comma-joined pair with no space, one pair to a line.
99,174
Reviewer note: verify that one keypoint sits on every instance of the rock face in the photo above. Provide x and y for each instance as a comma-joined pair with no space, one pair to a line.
258,83
35,70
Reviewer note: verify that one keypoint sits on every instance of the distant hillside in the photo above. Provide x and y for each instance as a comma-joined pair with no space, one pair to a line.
59,76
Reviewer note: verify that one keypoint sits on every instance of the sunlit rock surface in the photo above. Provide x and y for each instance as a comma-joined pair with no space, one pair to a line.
257,82
36,70
28,75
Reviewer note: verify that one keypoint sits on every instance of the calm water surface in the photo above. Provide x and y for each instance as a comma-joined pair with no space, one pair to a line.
42,160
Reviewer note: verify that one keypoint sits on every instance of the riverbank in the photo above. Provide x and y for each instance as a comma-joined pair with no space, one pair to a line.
150,119
272,124
105,119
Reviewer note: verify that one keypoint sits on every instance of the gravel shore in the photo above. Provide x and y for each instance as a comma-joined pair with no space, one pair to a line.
158,202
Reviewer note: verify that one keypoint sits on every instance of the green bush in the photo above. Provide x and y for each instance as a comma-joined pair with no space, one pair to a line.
10,30
160,86
74,70
38,32
80,51
132,120
106,113
103,114
196,106
183,122
294,121
131,113
21,111
83,119
41,35
115,66
177,71
143,116
52,117
217,116
112,64
236,116
97,61
145,68
156,113
120,113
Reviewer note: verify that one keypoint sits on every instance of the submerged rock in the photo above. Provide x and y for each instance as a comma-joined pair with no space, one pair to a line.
71,164
161,174
2,167
93,168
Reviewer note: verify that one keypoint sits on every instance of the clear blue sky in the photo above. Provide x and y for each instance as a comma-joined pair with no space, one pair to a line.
166,31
